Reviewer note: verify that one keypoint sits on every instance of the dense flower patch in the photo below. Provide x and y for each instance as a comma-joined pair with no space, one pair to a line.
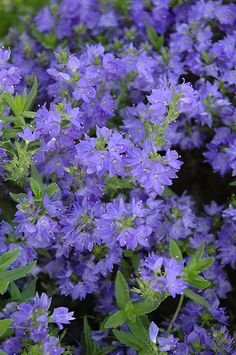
111,241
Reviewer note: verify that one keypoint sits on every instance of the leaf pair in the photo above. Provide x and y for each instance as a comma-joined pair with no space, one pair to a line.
128,311
21,104
196,265
11,275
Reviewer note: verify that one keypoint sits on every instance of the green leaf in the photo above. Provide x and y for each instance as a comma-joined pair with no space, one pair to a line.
29,291
52,189
16,274
3,286
8,258
14,292
129,339
89,343
43,252
175,251
4,325
16,197
156,41
36,188
29,114
138,329
11,102
196,298
115,320
197,281
233,183
145,307
7,118
36,176
31,97
105,351
168,192
200,265
121,291
199,253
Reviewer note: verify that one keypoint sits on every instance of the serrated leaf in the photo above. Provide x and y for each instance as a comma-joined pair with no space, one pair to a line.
145,307
28,114
16,274
129,339
174,251
8,258
7,118
197,281
121,291
196,298
52,189
14,292
29,291
4,325
156,41
115,320
32,96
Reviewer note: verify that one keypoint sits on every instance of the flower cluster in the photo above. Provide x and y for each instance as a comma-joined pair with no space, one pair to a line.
118,158
167,281
30,326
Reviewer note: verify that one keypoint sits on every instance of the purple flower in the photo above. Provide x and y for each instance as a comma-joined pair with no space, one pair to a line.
50,346
4,55
153,332
44,20
62,316
167,344
84,91
28,135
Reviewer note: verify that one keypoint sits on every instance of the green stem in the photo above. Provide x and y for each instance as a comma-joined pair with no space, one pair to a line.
175,315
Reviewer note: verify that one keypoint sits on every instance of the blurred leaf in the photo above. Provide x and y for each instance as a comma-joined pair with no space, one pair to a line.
14,292
196,298
197,281
31,97
8,258
36,176
199,253
36,188
156,41
4,325
121,291
3,286
174,251
52,189
29,291
16,274
89,343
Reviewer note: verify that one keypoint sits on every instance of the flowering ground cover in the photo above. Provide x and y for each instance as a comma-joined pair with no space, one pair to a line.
118,165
